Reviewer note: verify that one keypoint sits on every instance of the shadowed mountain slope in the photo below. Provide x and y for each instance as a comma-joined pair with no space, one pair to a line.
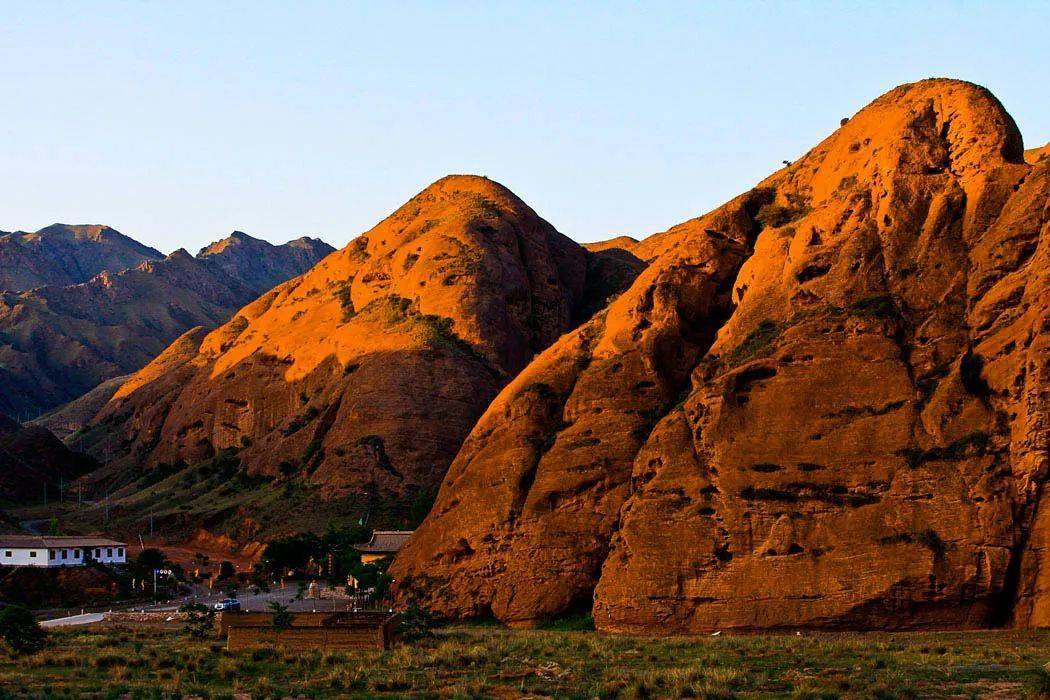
32,460
62,254
58,342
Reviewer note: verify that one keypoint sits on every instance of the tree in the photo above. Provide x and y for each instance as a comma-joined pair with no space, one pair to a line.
150,559
226,570
20,629
200,620
259,583
290,552
282,619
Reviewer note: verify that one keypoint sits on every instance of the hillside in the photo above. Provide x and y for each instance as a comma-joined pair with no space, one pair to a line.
67,419
821,405
361,377
32,459
59,342
62,254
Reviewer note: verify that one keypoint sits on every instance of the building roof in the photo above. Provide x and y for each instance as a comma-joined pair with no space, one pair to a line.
384,541
48,542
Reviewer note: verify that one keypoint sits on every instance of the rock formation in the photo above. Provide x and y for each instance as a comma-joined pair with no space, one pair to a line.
367,371
1034,155
62,254
823,404
260,265
58,342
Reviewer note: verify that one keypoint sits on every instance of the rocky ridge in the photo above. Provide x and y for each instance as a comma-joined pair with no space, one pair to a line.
59,342
365,373
823,404
62,254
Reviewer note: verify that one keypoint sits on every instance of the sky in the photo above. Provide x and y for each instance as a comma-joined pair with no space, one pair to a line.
177,123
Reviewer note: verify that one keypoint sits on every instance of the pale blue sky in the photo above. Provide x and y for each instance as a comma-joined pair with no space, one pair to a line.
180,122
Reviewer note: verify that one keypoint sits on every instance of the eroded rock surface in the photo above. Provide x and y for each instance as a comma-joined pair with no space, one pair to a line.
823,404
367,371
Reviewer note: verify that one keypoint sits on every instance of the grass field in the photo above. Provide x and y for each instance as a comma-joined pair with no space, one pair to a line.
492,661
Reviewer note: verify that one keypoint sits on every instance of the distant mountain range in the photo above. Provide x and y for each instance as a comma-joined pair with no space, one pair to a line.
85,304
62,254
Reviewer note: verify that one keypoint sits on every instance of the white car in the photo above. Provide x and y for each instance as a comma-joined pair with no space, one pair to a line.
228,604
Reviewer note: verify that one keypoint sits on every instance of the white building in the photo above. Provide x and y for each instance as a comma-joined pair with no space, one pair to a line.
37,550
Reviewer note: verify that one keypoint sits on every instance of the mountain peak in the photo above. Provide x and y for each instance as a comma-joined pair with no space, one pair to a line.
62,254
786,399
237,238
390,348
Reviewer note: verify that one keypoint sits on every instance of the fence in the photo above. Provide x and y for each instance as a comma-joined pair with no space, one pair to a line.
321,630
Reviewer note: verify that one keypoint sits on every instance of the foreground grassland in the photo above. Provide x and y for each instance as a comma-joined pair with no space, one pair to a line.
496,662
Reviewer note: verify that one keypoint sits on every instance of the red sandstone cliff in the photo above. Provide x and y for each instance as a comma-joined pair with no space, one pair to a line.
368,370
823,404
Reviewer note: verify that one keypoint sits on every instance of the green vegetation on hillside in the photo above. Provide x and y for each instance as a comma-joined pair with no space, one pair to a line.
175,500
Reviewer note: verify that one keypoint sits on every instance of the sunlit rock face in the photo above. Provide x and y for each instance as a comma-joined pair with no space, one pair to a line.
366,372
823,404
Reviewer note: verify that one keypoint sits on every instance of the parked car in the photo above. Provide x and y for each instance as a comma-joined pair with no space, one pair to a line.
228,604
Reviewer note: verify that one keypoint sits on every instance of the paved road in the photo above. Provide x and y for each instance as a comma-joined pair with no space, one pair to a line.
248,600
85,619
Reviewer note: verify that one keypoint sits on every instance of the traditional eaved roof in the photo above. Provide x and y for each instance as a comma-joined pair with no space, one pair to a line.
48,542
384,541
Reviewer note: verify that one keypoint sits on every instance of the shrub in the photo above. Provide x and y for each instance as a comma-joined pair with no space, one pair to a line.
573,622
200,620
775,215
345,301
282,619
437,334
756,343
416,623
20,630
313,449
308,415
